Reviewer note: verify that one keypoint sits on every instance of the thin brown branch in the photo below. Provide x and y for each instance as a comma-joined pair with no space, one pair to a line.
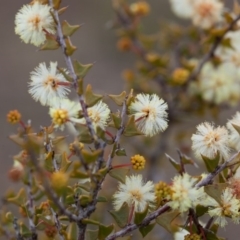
68,60
129,228
118,135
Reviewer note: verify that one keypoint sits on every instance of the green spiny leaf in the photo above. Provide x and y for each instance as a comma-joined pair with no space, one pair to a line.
80,69
69,30
121,216
90,97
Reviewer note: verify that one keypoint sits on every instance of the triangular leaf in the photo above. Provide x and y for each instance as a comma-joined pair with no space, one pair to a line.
145,230
69,30
80,69
131,129
118,99
211,164
70,49
139,216
166,219
104,231
175,164
50,43
215,191
121,216
91,98
119,174
19,199
91,157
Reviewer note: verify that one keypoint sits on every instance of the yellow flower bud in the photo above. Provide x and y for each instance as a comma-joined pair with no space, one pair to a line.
14,116
141,8
163,192
124,44
180,76
59,180
138,162
128,75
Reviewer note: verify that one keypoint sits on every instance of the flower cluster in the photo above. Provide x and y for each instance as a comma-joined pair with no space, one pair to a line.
203,13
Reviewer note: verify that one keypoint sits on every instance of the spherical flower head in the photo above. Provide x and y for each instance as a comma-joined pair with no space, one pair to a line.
47,83
140,8
229,207
180,76
135,193
206,13
183,8
217,84
163,192
150,114
124,44
184,193
32,22
59,180
234,184
234,137
138,162
209,141
99,115
14,116
16,171
63,111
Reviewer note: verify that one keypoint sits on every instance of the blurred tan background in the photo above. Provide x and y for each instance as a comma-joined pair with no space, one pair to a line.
95,44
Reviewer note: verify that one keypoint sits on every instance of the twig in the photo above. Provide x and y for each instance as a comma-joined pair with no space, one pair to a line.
129,228
57,223
218,169
30,207
212,50
49,190
17,230
71,70
118,135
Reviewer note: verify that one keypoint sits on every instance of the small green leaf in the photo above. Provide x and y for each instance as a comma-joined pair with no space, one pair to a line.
101,199
166,219
215,191
78,174
69,30
84,135
118,99
139,216
175,164
91,98
201,210
80,69
50,43
72,231
211,164
65,163
91,234
116,120
85,200
70,49
131,129
119,174
18,140
19,199
90,221
121,216
104,231
91,157
145,230
121,152
25,232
